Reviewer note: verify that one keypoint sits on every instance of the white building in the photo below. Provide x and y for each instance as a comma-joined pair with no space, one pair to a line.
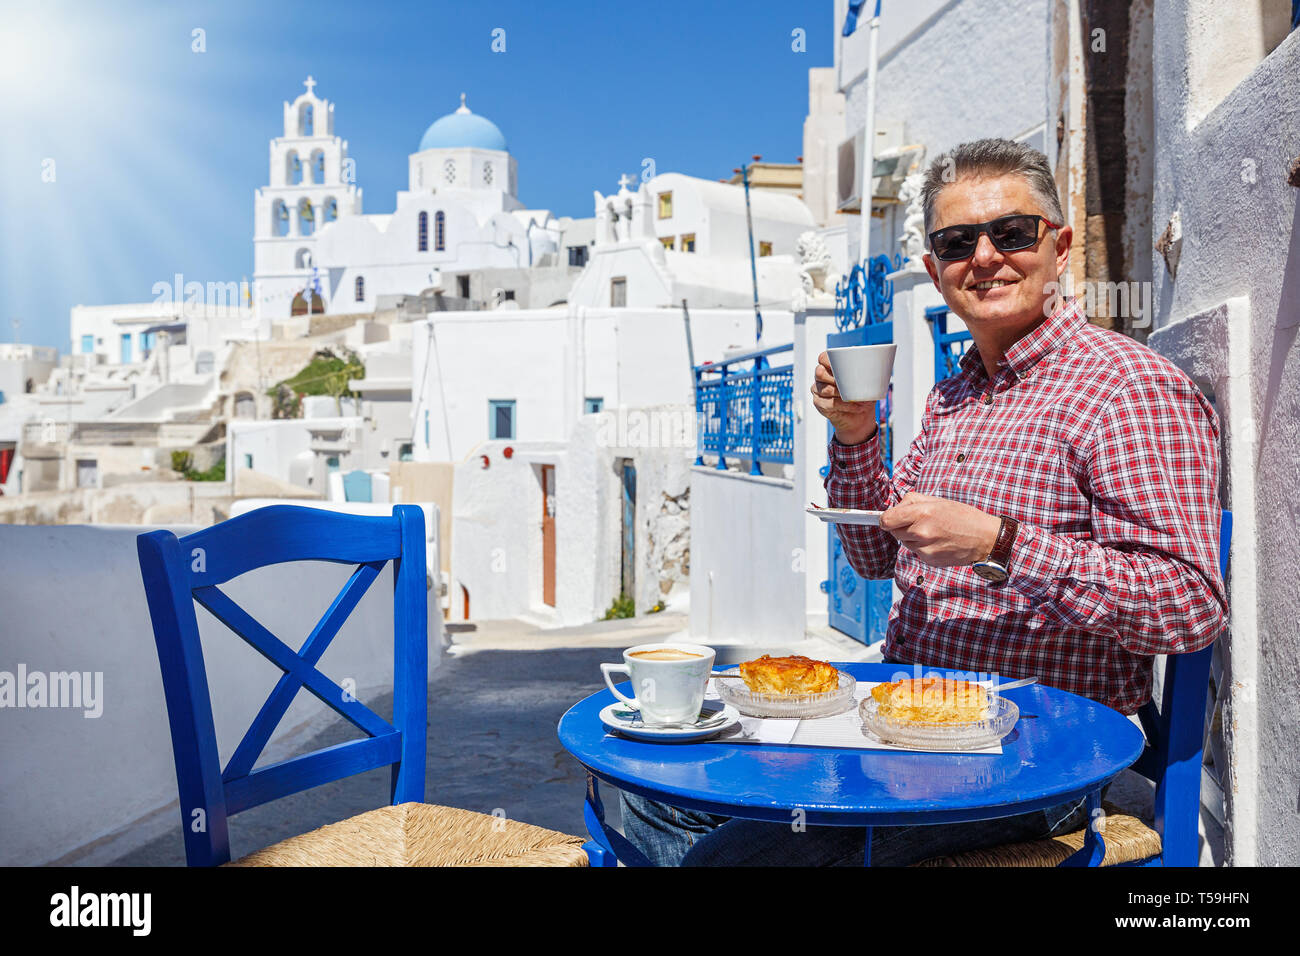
679,237
459,218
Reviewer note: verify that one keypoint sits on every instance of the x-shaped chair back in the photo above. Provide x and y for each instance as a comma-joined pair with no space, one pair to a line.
178,572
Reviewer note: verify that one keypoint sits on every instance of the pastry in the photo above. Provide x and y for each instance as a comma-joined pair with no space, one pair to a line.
936,700
789,675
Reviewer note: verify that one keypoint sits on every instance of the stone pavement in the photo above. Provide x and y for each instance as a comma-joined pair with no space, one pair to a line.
494,703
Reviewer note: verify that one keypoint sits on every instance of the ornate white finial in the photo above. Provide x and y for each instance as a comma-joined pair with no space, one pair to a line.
463,108
310,84
625,180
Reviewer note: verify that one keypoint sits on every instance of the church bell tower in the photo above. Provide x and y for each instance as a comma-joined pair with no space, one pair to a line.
312,183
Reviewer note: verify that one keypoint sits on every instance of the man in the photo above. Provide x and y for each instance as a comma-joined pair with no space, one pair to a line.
1057,516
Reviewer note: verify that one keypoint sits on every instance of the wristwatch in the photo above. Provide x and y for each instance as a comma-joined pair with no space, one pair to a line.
997,566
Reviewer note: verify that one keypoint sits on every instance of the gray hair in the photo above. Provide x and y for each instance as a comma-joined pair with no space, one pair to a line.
992,157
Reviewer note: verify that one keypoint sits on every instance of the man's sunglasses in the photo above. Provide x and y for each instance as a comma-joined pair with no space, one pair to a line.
1008,234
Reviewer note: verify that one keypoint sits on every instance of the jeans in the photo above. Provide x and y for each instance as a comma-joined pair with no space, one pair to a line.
670,836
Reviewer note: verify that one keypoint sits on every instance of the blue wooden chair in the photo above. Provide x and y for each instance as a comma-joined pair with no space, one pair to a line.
178,572
1171,759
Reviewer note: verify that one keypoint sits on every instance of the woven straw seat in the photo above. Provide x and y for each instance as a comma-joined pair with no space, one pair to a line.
1127,840
422,834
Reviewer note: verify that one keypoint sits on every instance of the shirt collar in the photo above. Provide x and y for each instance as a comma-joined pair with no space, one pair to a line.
1030,349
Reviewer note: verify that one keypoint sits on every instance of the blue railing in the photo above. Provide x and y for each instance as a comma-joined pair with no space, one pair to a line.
866,297
747,413
949,347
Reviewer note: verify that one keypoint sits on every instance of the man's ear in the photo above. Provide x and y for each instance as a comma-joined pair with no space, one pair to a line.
1064,236
928,260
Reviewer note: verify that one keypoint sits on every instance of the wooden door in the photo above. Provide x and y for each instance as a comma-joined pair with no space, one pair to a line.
548,535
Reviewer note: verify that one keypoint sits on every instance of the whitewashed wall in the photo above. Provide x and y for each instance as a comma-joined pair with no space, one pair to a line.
747,582
1231,318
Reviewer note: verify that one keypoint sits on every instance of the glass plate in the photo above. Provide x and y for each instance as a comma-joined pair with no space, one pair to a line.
918,735
735,693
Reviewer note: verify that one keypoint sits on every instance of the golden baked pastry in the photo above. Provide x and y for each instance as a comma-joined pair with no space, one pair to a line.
789,675
938,700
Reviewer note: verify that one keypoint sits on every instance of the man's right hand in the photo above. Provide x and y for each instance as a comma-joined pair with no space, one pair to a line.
854,422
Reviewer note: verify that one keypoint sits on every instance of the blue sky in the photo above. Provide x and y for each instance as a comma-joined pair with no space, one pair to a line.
157,149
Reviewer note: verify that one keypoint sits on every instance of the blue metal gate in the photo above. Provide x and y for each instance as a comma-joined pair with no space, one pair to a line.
864,307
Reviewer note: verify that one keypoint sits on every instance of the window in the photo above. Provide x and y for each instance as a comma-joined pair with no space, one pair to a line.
764,249
332,463
618,292
423,239
87,473
591,406
426,428
440,231
666,242
487,174
406,452
578,256
501,418
688,242
666,205
508,295
462,286
87,344
248,460
361,288
126,348
449,171
146,344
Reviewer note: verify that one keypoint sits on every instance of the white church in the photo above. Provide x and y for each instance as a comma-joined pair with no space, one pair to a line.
315,251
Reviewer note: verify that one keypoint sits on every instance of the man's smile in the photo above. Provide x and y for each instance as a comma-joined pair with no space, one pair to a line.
985,285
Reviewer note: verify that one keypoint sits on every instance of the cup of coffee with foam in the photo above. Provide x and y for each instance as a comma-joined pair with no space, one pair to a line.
668,680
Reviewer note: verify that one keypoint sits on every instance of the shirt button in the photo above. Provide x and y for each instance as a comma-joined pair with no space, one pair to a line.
920,579
961,457
988,399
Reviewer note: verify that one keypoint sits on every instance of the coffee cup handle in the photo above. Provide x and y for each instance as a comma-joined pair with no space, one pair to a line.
607,670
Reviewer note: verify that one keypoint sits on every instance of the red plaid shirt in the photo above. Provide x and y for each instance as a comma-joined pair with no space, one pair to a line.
1108,456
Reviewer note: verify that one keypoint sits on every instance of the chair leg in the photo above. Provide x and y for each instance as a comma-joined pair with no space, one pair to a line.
1093,850
597,855
612,845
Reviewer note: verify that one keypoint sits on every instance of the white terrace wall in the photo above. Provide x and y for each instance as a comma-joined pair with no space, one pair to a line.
747,577
73,600
1230,317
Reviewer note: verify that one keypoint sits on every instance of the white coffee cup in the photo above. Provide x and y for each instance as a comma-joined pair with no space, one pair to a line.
862,371
668,680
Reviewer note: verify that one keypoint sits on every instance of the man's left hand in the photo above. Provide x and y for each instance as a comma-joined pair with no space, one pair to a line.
940,532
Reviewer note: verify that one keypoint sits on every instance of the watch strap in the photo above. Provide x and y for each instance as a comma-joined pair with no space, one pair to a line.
1001,553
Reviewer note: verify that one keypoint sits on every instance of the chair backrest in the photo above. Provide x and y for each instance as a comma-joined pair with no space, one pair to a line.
178,572
1175,735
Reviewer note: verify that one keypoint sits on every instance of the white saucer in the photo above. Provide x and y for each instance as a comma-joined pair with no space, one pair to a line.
629,728
847,516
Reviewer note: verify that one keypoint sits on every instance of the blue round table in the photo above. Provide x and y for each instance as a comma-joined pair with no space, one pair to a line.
1069,749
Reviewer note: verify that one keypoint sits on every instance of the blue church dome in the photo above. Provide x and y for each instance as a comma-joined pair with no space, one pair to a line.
463,128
